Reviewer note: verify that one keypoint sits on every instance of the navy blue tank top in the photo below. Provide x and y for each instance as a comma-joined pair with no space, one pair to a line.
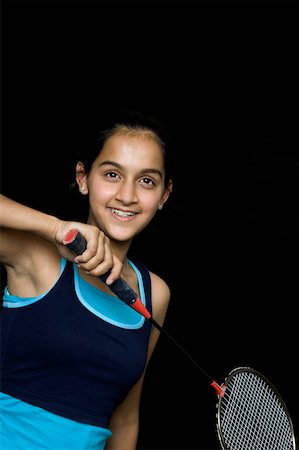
58,355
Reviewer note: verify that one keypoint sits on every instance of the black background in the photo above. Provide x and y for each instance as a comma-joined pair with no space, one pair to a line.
223,78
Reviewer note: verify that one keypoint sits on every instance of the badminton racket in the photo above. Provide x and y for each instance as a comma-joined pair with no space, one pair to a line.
251,414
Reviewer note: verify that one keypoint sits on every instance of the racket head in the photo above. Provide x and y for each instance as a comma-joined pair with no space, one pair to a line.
252,415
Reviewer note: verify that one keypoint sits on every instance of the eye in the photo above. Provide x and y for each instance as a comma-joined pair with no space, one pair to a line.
148,181
112,175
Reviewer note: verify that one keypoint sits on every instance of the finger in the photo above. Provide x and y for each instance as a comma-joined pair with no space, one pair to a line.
115,271
94,253
101,263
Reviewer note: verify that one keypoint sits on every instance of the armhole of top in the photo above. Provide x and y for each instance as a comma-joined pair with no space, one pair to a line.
13,301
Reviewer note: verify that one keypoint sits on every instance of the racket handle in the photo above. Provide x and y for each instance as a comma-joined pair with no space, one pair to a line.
74,241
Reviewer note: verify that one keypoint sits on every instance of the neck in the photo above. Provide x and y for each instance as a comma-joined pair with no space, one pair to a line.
127,269
120,249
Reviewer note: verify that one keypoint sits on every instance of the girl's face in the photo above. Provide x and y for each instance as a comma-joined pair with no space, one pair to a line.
126,185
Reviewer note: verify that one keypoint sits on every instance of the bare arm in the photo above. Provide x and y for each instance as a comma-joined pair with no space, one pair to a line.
25,230
19,217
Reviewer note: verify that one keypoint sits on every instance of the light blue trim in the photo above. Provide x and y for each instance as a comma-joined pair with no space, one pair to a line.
12,301
107,307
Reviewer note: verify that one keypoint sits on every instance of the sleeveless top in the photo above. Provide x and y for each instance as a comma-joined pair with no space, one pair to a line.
74,351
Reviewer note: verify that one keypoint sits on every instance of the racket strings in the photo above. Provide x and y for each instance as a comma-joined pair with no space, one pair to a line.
252,417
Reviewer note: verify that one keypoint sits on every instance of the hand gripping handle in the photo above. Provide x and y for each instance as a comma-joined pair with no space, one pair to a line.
77,244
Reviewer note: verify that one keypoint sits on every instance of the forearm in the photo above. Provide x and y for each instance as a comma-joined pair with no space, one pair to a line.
96,260
16,216
123,438
124,422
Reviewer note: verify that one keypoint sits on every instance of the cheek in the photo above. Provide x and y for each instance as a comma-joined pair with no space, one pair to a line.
98,193
151,202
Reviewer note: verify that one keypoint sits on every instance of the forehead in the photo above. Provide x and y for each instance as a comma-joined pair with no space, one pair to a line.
137,149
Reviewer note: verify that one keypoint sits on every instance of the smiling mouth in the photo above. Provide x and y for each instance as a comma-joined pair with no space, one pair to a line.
120,213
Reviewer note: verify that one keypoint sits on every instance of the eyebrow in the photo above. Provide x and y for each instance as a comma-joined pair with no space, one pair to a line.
119,166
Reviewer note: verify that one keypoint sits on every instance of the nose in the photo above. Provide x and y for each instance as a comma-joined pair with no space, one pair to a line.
126,192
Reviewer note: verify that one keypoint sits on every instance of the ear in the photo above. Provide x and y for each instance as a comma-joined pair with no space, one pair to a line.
81,176
166,194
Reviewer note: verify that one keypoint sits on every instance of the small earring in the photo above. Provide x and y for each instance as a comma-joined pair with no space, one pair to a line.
83,190
160,206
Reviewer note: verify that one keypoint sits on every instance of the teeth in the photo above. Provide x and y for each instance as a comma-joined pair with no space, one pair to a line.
122,213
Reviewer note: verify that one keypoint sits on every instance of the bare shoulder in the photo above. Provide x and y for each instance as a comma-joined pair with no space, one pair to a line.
160,296
160,301
159,287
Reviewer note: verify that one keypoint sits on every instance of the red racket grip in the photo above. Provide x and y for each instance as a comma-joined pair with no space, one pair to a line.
77,244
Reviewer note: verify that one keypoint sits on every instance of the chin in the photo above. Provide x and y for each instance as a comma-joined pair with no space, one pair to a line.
120,237
121,234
